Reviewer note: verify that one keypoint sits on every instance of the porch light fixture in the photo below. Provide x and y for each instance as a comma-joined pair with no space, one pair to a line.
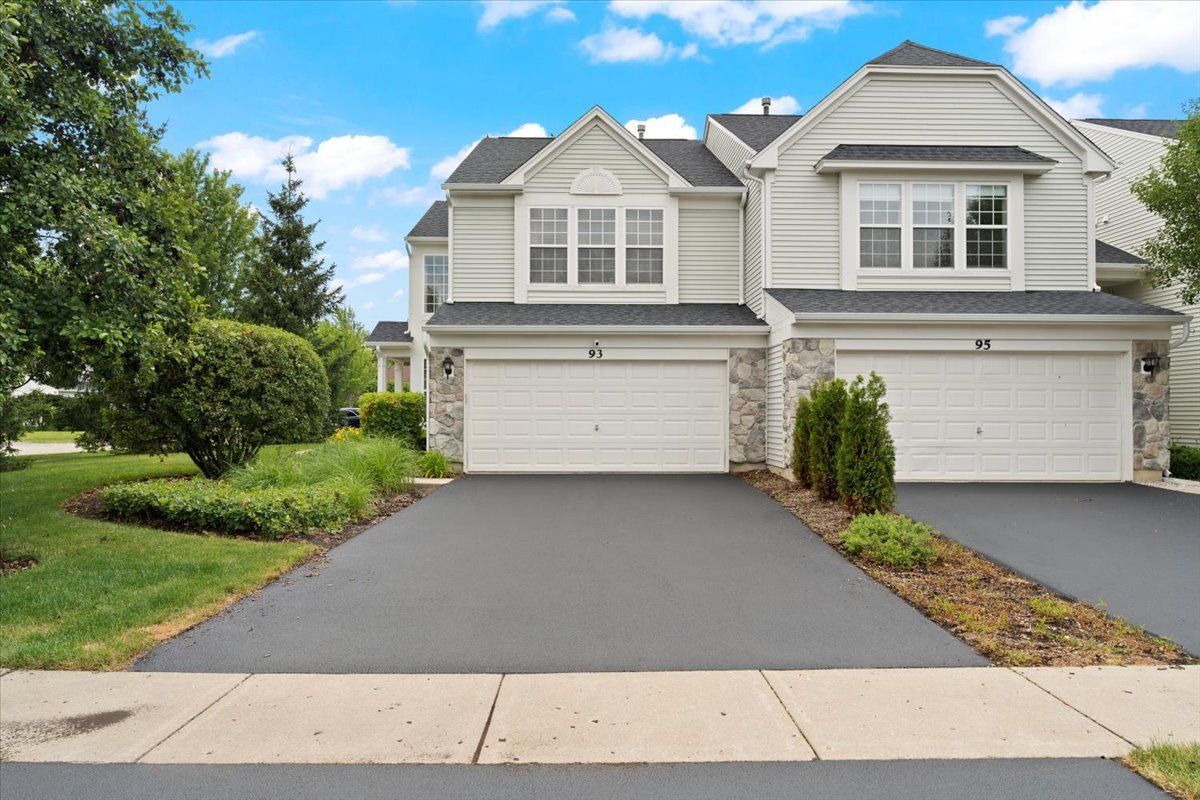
448,366
1150,362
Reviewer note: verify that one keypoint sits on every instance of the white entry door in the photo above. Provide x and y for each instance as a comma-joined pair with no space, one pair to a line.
596,416
996,416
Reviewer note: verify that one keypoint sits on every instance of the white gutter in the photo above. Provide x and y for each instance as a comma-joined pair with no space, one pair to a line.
708,190
484,188
1054,319
588,329
1025,167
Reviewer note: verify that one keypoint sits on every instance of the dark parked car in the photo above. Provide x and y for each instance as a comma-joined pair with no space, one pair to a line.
347,418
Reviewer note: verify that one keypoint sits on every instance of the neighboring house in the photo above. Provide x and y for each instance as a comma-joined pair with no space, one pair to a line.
1123,224
600,302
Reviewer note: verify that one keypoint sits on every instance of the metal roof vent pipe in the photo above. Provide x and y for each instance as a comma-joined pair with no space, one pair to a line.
766,106
641,130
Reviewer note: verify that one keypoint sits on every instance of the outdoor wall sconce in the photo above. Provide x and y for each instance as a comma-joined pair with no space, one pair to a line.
448,366
1150,362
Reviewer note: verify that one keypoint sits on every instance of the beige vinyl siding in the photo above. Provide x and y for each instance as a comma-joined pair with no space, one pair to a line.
709,256
565,294
1183,380
776,455
805,248
595,147
731,151
1129,222
481,250
936,283
753,251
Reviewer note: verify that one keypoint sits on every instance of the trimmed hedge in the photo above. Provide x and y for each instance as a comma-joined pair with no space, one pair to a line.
827,406
800,442
866,457
896,541
216,506
1185,462
397,414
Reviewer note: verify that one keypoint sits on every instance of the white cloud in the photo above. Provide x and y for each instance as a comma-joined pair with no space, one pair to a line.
529,130
1075,43
336,163
1004,26
363,280
496,12
668,126
615,45
1078,105
371,234
388,261
731,22
442,169
367,306
406,195
1140,111
225,46
397,294
786,104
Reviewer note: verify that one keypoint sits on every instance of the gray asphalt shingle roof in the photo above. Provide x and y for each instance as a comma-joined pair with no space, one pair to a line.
695,162
435,222
593,314
1166,128
932,152
1107,254
390,332
494,159
838,301
910,54
756,130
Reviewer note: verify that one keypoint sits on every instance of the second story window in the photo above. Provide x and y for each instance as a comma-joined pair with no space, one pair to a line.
643,245
597,245
933,225
437,282
987,226
879,225
548,244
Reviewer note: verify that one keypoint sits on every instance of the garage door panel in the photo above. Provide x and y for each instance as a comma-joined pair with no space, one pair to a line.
972,416
615,416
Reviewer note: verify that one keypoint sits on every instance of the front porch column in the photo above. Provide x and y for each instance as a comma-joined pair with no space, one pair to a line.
380,372
398,374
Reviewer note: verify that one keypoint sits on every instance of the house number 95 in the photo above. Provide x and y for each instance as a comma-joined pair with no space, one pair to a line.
595,352
983,344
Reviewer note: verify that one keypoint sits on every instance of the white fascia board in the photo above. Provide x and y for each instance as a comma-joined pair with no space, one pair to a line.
693,191
709,121
378,345
1018,319
537,330
597,115
482,188
861,165
1118,271
1145,137
426,239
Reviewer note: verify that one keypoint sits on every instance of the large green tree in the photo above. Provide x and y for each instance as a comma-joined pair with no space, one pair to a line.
349,366
288,286
1172,191
95,266
218,228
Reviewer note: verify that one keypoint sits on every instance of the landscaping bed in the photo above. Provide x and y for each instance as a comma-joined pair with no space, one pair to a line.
1010,620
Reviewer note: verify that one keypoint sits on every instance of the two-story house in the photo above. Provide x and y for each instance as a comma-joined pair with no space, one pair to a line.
1123,225
599,301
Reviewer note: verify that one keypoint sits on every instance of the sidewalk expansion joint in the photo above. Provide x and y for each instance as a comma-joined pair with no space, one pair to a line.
788,711
488,723
191,719
1083,714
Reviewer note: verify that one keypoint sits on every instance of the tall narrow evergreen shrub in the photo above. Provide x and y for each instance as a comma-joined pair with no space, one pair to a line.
826,410
800,442
866,455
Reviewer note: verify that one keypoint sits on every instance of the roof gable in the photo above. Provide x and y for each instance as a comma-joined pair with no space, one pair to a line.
694,161
1164,128
910,54
434,223
755,130
495,158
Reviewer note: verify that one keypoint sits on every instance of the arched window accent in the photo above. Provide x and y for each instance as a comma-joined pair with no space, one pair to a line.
596,180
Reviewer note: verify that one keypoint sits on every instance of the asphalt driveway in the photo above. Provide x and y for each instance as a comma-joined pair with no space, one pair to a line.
1134,548
572,573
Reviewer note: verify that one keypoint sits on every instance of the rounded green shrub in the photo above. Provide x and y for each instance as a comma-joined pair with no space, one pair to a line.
826,408
800,442
896,541
866,456
400,415
1185,462
227,391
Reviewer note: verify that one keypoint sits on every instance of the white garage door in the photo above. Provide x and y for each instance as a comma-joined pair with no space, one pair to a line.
596,416
993,416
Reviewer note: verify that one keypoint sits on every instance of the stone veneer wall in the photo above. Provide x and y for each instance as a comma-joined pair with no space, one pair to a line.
446,408
1151,429
805,361
747,405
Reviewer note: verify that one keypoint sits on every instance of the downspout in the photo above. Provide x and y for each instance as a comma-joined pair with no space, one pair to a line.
762,228
1184,335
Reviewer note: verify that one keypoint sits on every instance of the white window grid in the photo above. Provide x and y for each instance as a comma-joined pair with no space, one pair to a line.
578,246
437,281
933,225
987,226
549,237
879,219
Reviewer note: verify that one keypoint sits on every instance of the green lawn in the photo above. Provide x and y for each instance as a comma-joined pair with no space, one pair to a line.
102,593
1174,767
49,437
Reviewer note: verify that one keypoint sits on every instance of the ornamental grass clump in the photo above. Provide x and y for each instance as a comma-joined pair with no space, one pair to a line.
866,455
435,465
383,466
827,406
896,541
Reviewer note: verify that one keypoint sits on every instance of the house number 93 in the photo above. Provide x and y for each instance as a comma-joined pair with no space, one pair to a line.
595,352
983,344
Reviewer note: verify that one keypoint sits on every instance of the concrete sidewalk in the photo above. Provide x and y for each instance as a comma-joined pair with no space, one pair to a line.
594,718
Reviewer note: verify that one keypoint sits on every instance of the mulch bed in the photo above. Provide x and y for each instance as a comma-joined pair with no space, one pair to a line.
1010,620
10,565
87,504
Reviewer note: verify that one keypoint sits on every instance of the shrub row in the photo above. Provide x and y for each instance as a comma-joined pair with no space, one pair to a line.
400,415
217,506
842,448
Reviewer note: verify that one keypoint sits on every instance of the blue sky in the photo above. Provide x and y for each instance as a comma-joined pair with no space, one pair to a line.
380,99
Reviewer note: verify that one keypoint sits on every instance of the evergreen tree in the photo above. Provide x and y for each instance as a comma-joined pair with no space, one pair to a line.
288,286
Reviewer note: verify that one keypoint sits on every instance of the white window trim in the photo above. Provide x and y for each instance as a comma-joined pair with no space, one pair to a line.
1015,271
425,281
573,255
667,204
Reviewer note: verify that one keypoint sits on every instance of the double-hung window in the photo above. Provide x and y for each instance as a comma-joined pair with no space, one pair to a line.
597,245
933,225
879,225
548,245
437,282
987,226
643,245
